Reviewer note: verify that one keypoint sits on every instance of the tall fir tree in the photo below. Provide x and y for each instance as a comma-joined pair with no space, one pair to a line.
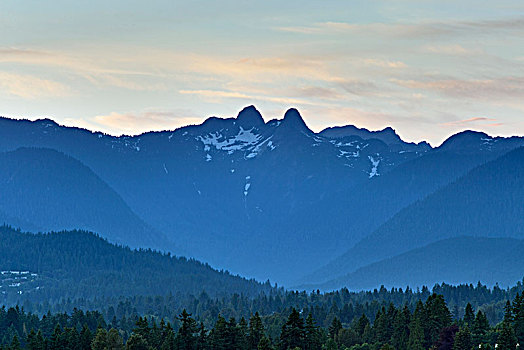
293,334
463,340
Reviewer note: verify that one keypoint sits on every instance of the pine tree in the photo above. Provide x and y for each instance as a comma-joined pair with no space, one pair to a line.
256,331
100,340
480,328
437,317
85,338
137,342
264,344
142,328
15,344
469,315
330,345
292,334
463,340
202,342
220,335
508,312
416,335
400,336
335,326
518,317
186,337
54,340
114,340
312,335
507,339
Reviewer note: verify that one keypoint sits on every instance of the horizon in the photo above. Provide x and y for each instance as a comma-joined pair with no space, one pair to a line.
266,120
429,70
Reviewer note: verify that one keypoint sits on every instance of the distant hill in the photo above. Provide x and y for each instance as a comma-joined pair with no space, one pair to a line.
486,202
363,209
453,261
78,264
43,190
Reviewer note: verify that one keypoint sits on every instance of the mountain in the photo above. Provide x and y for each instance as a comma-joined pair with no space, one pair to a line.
353,214
78,264
488,201
42,189
255,196
224,185
388,135
453,261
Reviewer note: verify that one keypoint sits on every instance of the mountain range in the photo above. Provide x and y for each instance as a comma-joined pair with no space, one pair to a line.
266,199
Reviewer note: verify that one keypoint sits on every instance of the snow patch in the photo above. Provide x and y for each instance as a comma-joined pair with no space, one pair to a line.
374,168
208,157
243,139
247,185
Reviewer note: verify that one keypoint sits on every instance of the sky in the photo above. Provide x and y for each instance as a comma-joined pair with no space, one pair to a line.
426,68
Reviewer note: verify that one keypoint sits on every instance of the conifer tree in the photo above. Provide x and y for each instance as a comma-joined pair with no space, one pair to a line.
507,339
463,340
114,340
100,340
15,344
137,342
469,315
334,328
256,331
264,344
416,335
292,334
85,338
312,335
186,336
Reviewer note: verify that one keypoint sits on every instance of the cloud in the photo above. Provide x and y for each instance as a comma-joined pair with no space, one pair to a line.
98,72
412,30
474,120
384,63
31,87
496,88
133,123
359,87
217,95
452,50
314,92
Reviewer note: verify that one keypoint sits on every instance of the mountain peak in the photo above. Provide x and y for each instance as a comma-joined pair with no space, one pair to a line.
249,117
464,140
293,119
387,135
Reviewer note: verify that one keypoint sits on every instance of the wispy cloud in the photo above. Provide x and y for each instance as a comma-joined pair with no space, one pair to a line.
96,71
451,49
132,123
384,63
414,29
31,87
501,88
217,95
470,121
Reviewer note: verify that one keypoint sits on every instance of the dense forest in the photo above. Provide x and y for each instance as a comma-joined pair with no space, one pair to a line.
429,326
78,264
346,306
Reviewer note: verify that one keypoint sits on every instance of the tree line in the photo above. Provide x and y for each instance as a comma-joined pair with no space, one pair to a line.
429,326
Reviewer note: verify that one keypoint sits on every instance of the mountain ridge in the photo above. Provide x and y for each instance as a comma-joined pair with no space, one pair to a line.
261,191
